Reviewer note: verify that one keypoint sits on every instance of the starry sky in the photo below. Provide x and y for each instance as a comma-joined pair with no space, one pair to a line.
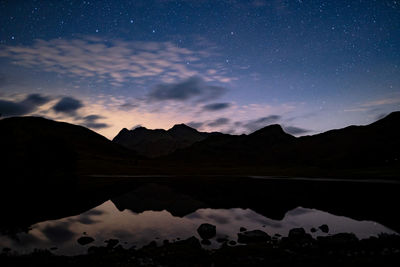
227,65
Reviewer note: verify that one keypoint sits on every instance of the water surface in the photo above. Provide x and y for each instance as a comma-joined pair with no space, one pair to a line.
138,229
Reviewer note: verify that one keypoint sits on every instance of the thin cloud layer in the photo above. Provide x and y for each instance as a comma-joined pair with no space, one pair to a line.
296,130
194,124
116,62
219,122
193,88
92,121
259,123
216,106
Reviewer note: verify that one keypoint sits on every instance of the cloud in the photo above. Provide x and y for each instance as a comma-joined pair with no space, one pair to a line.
296,130
58,233
91,121
259,123
216,106
116,61
67,105
193,88
36,99
196,125
381,102
218,122
18,108
128,106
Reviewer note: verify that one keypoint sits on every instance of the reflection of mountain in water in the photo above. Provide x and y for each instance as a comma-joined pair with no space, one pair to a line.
269,198
105,221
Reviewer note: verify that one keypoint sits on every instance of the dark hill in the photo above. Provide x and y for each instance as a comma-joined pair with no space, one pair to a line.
37,146
355,147
235,149
154,143
41,163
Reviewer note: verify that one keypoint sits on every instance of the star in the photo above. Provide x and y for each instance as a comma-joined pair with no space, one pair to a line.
131,21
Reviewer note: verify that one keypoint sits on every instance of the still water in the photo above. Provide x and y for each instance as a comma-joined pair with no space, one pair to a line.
137,229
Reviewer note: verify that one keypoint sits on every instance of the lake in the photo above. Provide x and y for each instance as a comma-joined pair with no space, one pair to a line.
146,209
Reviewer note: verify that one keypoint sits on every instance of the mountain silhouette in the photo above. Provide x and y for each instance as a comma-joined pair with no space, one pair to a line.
353,147
159,142
33,146
37,146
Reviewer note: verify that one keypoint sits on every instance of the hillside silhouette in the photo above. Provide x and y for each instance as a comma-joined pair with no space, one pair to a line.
159,142
47,148
353,147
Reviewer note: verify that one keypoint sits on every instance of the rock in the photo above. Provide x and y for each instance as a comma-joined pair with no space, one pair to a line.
242,229
222,240
84,240
297,233
254,236
6,250
151,245
324,228
207,231
111,242
206,242
313,230
338,240
191,242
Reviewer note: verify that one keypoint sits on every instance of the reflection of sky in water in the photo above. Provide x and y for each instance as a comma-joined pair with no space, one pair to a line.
105,221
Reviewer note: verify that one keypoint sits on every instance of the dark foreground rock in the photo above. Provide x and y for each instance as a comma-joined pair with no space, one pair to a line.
327,251
324,228
84,240
254,236
207,231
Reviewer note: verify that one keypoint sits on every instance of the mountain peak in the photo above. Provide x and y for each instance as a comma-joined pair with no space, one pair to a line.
393,117
180,126
272,129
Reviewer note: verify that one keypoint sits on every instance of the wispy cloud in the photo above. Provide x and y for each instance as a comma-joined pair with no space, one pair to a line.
11,107
216,106
296,130
193,88
381,102
253,125
92,121
116,61
219,122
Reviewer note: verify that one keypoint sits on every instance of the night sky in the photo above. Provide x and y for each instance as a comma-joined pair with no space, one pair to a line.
217,65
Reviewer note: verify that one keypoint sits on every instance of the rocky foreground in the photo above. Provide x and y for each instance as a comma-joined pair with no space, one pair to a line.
252,248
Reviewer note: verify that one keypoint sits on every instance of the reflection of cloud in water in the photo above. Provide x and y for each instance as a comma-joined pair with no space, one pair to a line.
194,215
252,216
84,219
94,212
219,219
58,232
298,211
238,218
140,229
